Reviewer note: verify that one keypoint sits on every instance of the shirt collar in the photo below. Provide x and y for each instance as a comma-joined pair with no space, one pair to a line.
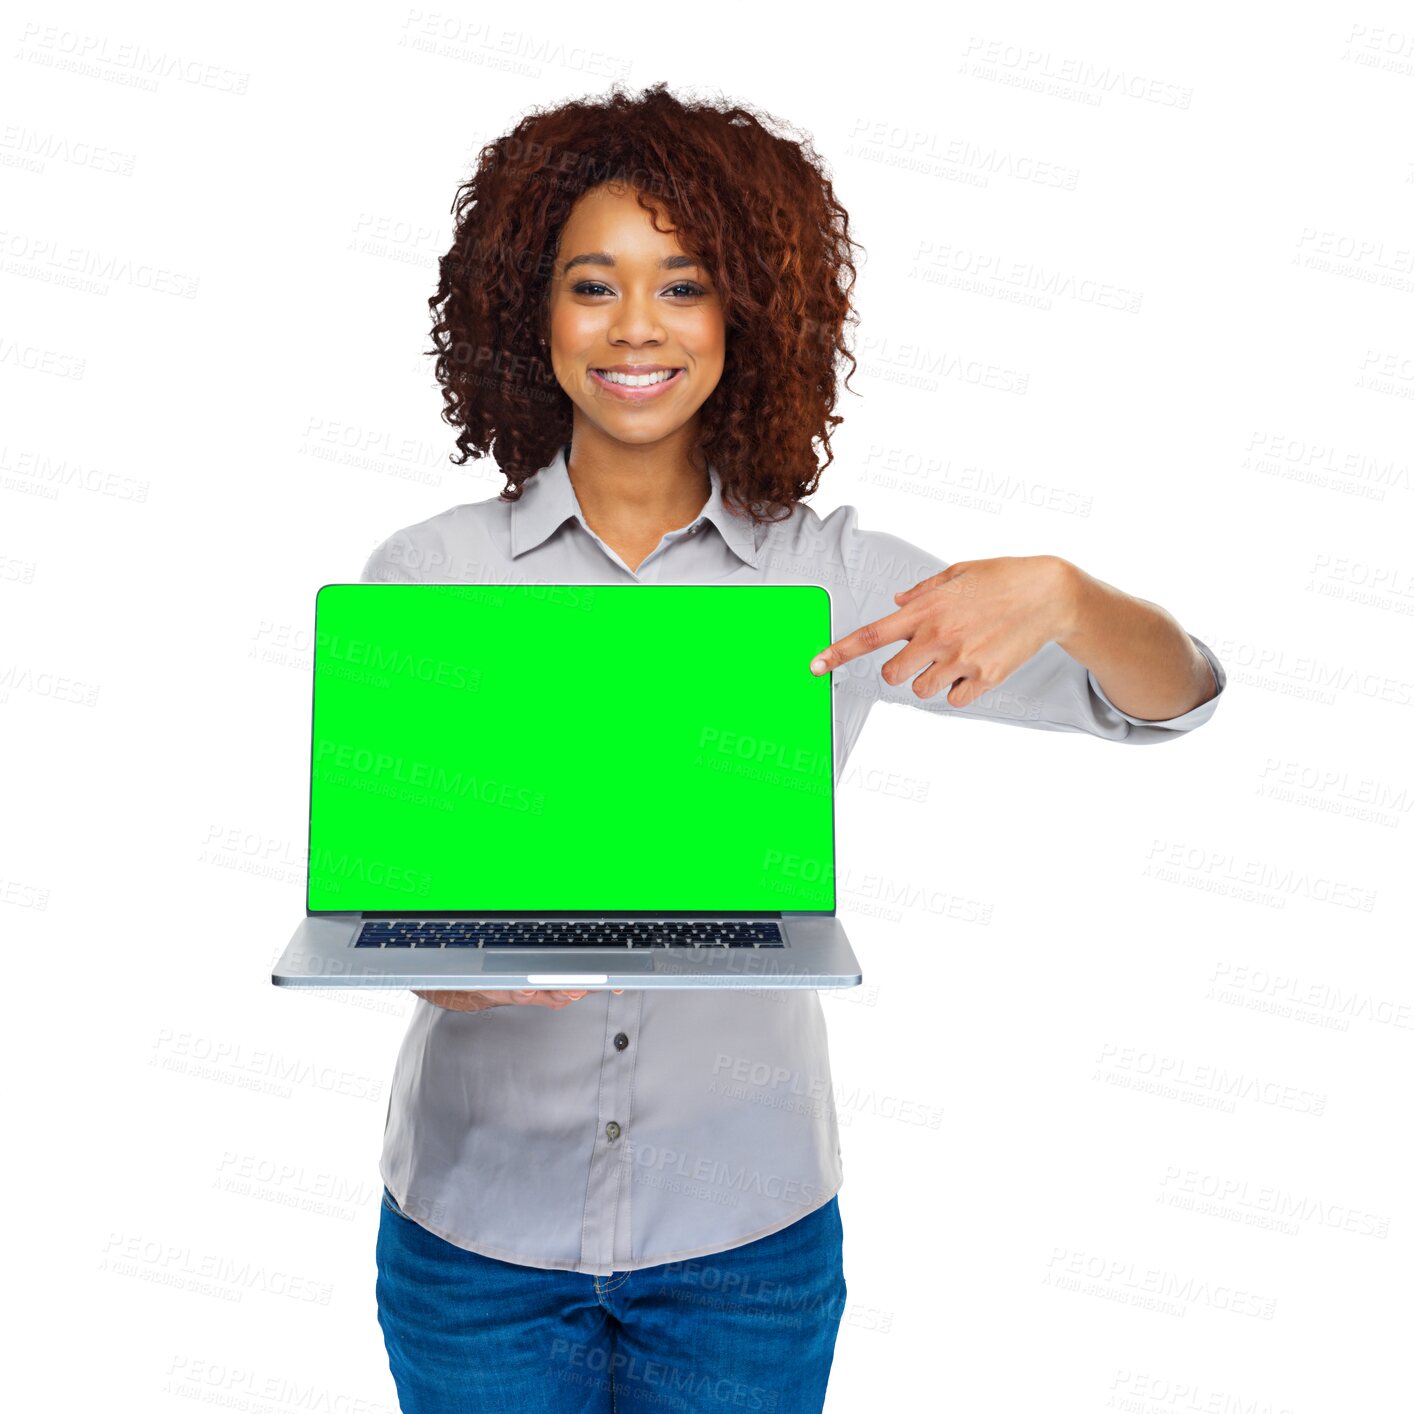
547,500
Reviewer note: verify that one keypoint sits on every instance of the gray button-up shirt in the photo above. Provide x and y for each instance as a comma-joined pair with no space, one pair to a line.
610,1135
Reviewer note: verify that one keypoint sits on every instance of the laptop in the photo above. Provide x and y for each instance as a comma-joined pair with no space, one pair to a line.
570,786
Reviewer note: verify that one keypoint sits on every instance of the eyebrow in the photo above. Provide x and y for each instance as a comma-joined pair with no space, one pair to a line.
602,257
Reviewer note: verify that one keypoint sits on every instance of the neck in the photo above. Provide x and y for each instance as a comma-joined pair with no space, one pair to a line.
653,487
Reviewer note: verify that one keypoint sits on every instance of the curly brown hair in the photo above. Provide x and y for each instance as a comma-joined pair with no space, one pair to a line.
756,207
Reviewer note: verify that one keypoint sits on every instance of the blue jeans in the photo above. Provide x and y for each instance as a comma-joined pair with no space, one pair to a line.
752,1328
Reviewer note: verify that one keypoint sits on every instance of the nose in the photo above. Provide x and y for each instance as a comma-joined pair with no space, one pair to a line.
636,321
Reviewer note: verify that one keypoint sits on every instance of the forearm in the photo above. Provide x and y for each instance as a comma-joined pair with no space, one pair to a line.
1140,654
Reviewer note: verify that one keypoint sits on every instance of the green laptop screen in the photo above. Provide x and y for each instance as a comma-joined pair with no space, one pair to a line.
549,747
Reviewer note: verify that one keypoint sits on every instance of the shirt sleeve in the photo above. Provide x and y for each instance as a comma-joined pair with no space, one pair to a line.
1051,691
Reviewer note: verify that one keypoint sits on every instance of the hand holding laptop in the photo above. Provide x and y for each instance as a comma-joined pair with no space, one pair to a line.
483,1001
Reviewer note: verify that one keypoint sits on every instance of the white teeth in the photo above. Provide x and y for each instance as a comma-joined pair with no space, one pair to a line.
636,380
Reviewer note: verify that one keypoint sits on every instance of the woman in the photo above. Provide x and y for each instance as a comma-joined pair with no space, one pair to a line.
591,1203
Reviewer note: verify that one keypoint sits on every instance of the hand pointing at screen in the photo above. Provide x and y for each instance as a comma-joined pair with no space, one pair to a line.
967,628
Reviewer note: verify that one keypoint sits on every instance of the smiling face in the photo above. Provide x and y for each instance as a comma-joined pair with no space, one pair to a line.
637,337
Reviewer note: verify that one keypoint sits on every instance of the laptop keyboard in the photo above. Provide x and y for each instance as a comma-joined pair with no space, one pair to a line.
565,933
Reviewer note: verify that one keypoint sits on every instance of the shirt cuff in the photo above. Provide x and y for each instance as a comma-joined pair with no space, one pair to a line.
1187,720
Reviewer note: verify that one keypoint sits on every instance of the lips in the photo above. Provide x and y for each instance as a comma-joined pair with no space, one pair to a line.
636,395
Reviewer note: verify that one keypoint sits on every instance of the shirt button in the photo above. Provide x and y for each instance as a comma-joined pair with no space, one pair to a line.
620,1041
612,1130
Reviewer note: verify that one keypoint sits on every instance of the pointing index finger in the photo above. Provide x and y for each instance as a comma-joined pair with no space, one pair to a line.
864,639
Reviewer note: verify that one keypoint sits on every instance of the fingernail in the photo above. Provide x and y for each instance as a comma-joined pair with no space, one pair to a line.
818,666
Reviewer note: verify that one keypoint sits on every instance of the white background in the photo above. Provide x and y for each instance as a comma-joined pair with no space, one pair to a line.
1159,1000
